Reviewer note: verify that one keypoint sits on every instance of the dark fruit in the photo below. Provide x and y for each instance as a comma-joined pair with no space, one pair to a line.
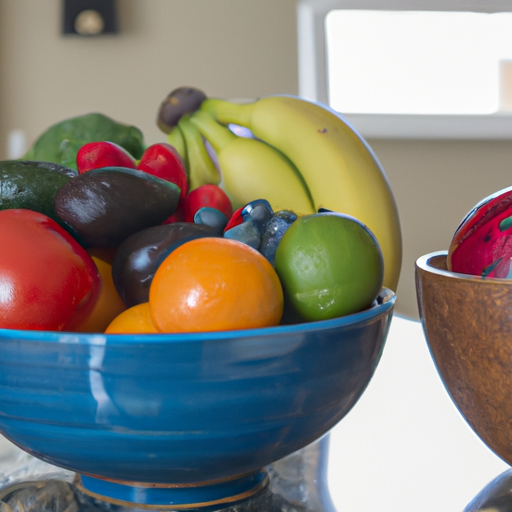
32,185
103,207
138,257
181,101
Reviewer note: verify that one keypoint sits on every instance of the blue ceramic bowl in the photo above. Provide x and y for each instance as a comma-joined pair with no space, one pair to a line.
184,408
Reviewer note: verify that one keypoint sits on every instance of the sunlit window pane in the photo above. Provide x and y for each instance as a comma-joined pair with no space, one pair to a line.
417,62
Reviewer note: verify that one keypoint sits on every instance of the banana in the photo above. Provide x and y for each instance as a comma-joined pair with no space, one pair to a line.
175,138
251,169
201,168
340,169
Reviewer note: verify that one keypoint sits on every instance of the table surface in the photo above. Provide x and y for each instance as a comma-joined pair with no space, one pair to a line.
404,446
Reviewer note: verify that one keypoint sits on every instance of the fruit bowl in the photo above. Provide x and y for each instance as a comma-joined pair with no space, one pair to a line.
467,321
161,412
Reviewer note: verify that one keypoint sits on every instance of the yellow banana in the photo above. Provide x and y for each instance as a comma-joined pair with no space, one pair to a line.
251,169
340,169
201,168
175,138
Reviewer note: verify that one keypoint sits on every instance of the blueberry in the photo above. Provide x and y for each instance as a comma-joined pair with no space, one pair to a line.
211,217
247,233
259,212
276,228
256,216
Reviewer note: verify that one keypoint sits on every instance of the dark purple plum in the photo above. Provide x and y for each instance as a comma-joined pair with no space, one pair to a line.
138,257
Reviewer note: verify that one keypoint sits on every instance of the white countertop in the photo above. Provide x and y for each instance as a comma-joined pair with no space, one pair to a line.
404,446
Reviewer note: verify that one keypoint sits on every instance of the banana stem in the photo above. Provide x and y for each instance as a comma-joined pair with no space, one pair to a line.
202,169
226,112
217,135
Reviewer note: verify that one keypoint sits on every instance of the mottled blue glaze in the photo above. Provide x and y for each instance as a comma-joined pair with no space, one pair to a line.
184,408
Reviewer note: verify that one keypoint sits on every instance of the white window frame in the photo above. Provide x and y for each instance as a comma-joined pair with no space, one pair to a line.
313,82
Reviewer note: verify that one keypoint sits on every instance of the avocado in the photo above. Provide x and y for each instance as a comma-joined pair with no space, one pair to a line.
32,185
102,207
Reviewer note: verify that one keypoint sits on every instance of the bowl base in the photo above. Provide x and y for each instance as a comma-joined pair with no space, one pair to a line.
61,496
297,482
204,495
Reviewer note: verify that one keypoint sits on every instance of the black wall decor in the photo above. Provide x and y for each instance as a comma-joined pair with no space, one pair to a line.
89,17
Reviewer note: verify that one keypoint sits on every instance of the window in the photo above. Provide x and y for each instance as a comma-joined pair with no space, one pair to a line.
397,69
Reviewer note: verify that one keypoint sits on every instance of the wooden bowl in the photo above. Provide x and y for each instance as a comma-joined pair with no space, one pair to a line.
467,322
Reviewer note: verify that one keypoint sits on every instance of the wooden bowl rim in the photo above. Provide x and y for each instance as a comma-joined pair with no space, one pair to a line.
435,263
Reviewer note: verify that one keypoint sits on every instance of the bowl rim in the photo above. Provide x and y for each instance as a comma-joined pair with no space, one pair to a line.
381,307
423,263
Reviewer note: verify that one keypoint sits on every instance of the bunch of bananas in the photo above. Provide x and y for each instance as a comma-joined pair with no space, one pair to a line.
297,154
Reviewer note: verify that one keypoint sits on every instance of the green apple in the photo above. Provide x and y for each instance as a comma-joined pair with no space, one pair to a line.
329,265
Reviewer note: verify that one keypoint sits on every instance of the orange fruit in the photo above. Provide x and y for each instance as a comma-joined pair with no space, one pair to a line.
215,284
108,305
134,320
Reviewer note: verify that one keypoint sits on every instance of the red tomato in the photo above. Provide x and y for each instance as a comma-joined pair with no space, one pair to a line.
163,161
207,195
47,280
95,155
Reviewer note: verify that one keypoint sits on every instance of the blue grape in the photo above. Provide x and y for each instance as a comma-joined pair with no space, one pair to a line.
246,232
211,217
262,229
275,231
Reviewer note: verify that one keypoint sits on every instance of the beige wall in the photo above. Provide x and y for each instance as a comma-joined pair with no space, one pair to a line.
232,49
435,184
229,48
